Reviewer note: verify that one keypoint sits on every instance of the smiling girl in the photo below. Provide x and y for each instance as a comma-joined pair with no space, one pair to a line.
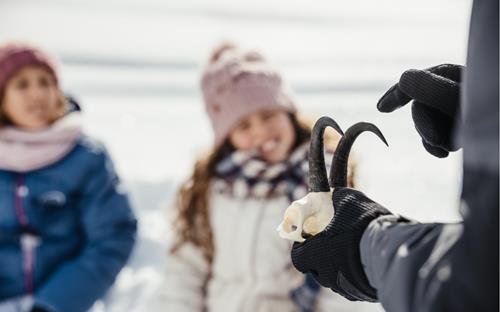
227,255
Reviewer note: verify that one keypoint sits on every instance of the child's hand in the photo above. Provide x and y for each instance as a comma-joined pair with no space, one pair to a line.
435,93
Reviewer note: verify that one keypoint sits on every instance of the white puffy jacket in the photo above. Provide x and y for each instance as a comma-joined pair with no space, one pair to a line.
251,269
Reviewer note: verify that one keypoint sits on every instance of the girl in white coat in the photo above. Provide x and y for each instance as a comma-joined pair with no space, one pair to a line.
227,255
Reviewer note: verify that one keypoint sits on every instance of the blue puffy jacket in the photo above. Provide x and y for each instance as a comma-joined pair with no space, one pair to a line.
66,230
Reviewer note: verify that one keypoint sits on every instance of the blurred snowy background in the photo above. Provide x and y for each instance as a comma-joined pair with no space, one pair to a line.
135,66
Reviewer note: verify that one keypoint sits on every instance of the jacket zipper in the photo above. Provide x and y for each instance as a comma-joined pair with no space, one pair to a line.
29,237
253,260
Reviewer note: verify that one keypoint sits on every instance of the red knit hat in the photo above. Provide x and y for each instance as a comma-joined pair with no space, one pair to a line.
14,56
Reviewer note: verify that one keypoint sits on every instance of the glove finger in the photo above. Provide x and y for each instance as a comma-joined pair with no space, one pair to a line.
433,126
436,151
433,90
393,99
450,71
300,257
315,256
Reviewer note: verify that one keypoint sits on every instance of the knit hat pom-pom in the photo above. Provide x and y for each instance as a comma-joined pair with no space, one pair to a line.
253,56
239,56
220,50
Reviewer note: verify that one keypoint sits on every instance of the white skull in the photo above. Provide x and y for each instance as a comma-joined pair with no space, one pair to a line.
310,215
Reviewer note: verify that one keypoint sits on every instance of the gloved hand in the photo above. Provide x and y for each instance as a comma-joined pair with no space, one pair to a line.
435,92
332,256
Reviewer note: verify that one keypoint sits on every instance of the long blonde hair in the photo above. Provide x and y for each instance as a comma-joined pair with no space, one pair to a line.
192,223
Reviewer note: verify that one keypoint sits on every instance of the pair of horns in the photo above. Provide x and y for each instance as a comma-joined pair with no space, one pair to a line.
318,180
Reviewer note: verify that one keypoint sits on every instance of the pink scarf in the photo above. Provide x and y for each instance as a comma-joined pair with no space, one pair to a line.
23,151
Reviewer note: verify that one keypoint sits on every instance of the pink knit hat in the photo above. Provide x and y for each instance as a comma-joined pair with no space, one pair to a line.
14,56
237,83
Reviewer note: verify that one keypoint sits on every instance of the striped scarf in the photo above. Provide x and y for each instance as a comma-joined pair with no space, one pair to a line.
244,174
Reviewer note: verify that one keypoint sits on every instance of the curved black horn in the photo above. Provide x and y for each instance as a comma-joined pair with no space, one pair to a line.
338,170
318,180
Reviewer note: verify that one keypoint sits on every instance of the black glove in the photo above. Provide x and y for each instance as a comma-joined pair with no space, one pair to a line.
332,256
435,93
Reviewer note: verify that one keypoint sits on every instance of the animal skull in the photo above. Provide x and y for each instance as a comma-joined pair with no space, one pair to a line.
311,214
307,216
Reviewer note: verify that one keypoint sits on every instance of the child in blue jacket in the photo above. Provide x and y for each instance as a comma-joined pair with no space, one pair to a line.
66,226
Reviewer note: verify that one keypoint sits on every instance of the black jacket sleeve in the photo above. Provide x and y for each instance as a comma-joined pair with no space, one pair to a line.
438,267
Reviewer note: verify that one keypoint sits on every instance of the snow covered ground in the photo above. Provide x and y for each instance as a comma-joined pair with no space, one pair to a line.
135,67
